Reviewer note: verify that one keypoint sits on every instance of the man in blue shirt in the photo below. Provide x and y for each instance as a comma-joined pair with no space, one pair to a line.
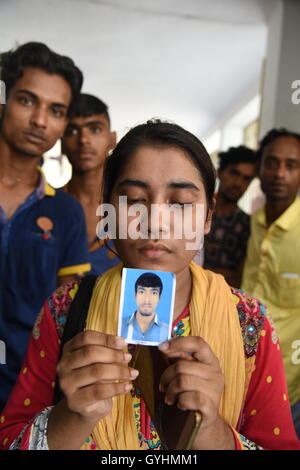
87,142
42,231
144,324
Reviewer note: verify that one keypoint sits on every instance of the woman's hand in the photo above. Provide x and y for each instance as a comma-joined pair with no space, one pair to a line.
93,369
195,381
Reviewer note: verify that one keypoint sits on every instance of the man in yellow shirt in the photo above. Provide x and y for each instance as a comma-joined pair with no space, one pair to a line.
272,268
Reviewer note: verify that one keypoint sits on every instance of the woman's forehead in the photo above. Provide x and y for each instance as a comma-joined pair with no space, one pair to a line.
162,165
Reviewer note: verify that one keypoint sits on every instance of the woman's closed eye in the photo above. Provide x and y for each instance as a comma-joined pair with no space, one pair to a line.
136,201
180,205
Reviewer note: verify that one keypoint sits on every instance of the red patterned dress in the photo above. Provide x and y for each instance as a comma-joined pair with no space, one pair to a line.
265,419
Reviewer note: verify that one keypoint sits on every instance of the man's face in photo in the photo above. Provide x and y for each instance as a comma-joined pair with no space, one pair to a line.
147,299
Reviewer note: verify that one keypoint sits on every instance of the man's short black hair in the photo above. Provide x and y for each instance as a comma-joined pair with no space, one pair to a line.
275,134
88,105
236,155
149,280
38,55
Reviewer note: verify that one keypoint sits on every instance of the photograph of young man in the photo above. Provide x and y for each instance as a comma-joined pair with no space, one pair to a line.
144,324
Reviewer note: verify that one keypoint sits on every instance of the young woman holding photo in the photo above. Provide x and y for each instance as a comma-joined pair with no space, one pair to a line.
226,360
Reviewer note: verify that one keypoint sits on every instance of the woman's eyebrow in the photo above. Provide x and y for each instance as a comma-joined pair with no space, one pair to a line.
133,182
171,185
182,185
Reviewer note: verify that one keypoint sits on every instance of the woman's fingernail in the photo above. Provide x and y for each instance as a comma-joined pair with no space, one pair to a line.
134,373
163,346
127,387
127,357
120,343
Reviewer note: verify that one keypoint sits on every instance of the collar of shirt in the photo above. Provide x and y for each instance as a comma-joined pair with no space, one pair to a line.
43,188
133,318
289,217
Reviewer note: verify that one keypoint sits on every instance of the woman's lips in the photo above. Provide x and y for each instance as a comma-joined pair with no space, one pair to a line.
152,252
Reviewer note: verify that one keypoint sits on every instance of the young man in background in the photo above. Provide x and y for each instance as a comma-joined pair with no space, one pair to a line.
225,246
87,142
272,267
43,236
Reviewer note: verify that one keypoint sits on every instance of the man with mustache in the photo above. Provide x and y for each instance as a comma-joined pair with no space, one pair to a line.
144,324
43,235
87,142
225,246
272,267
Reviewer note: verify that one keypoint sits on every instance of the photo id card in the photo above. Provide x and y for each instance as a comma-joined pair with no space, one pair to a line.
146,306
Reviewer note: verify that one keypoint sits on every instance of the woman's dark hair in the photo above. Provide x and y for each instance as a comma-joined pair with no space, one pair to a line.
149,280
156,133
88,105
275,134
38,55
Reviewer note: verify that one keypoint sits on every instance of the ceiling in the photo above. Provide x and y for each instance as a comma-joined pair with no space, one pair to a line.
187,61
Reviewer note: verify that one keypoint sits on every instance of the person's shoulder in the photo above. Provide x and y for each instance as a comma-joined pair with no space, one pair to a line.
297,204
65,198
258,214
65,201
126,318
164,326
59,303
252,315
125,325
68,208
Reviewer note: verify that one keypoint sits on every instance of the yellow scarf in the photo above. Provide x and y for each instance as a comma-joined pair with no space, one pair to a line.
213,316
